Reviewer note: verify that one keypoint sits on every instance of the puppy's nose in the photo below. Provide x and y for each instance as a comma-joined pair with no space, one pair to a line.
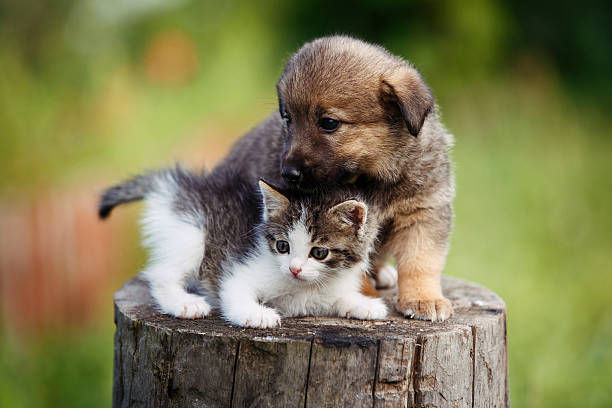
295,270
291,174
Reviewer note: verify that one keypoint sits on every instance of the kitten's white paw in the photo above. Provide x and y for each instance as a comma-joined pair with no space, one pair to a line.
386,277
372,309
261,318
192,307
195,310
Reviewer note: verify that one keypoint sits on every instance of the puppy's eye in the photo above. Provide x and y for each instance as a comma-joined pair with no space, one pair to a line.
282,246
329,124
319,253
287,118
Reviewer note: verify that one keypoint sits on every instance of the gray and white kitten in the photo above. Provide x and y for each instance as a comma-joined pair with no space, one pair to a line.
252,251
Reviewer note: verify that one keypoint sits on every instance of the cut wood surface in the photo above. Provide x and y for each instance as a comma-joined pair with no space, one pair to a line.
312,362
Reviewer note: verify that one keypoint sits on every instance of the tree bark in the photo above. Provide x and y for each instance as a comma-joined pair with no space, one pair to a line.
312,362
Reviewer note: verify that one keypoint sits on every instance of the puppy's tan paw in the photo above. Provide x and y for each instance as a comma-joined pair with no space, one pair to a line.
435,310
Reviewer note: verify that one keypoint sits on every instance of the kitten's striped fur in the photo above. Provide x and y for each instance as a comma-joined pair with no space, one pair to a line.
213,243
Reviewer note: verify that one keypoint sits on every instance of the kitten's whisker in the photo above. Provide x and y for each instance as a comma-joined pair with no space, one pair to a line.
321,284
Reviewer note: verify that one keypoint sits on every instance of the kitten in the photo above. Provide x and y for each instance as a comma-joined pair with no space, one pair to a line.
254,252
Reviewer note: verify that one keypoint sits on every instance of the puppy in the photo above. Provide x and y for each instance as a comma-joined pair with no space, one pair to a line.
353,116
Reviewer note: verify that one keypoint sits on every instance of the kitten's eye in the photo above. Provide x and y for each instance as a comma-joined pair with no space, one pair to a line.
329,124
282,246
319,253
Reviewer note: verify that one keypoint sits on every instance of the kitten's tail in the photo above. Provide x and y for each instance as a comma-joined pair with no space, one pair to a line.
131,190
139,187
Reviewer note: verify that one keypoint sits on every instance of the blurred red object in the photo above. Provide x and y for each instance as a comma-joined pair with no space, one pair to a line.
57,260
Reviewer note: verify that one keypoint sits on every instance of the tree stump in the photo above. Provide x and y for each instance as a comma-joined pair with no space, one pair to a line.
312,362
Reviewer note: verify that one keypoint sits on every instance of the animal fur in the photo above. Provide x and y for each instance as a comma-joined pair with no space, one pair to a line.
389,147
213,242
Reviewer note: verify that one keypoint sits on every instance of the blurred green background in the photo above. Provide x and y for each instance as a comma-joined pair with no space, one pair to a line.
94,90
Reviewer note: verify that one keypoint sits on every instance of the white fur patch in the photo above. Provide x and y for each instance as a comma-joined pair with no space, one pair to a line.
362,307
176,249
254,293
240,290
300,246
386,277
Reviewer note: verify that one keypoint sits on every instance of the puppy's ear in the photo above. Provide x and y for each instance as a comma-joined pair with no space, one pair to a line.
350,213
273,201
404,87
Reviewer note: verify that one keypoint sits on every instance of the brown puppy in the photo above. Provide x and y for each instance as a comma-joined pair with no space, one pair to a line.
358,118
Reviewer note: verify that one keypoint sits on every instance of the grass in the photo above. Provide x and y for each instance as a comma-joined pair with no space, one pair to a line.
68,368
533,223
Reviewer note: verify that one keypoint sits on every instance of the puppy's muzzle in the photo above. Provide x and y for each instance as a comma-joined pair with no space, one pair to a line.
291,174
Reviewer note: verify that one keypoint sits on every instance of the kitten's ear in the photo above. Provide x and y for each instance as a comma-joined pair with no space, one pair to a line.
352,213
273,201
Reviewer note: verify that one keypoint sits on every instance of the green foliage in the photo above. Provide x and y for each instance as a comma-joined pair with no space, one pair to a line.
63,369
533,224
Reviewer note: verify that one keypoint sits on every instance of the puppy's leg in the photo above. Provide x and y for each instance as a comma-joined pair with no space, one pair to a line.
420,247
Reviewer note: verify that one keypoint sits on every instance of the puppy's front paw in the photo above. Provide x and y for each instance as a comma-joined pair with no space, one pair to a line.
261,318
372,309
435,310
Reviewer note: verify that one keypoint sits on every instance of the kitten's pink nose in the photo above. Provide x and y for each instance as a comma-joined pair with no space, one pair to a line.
295,270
